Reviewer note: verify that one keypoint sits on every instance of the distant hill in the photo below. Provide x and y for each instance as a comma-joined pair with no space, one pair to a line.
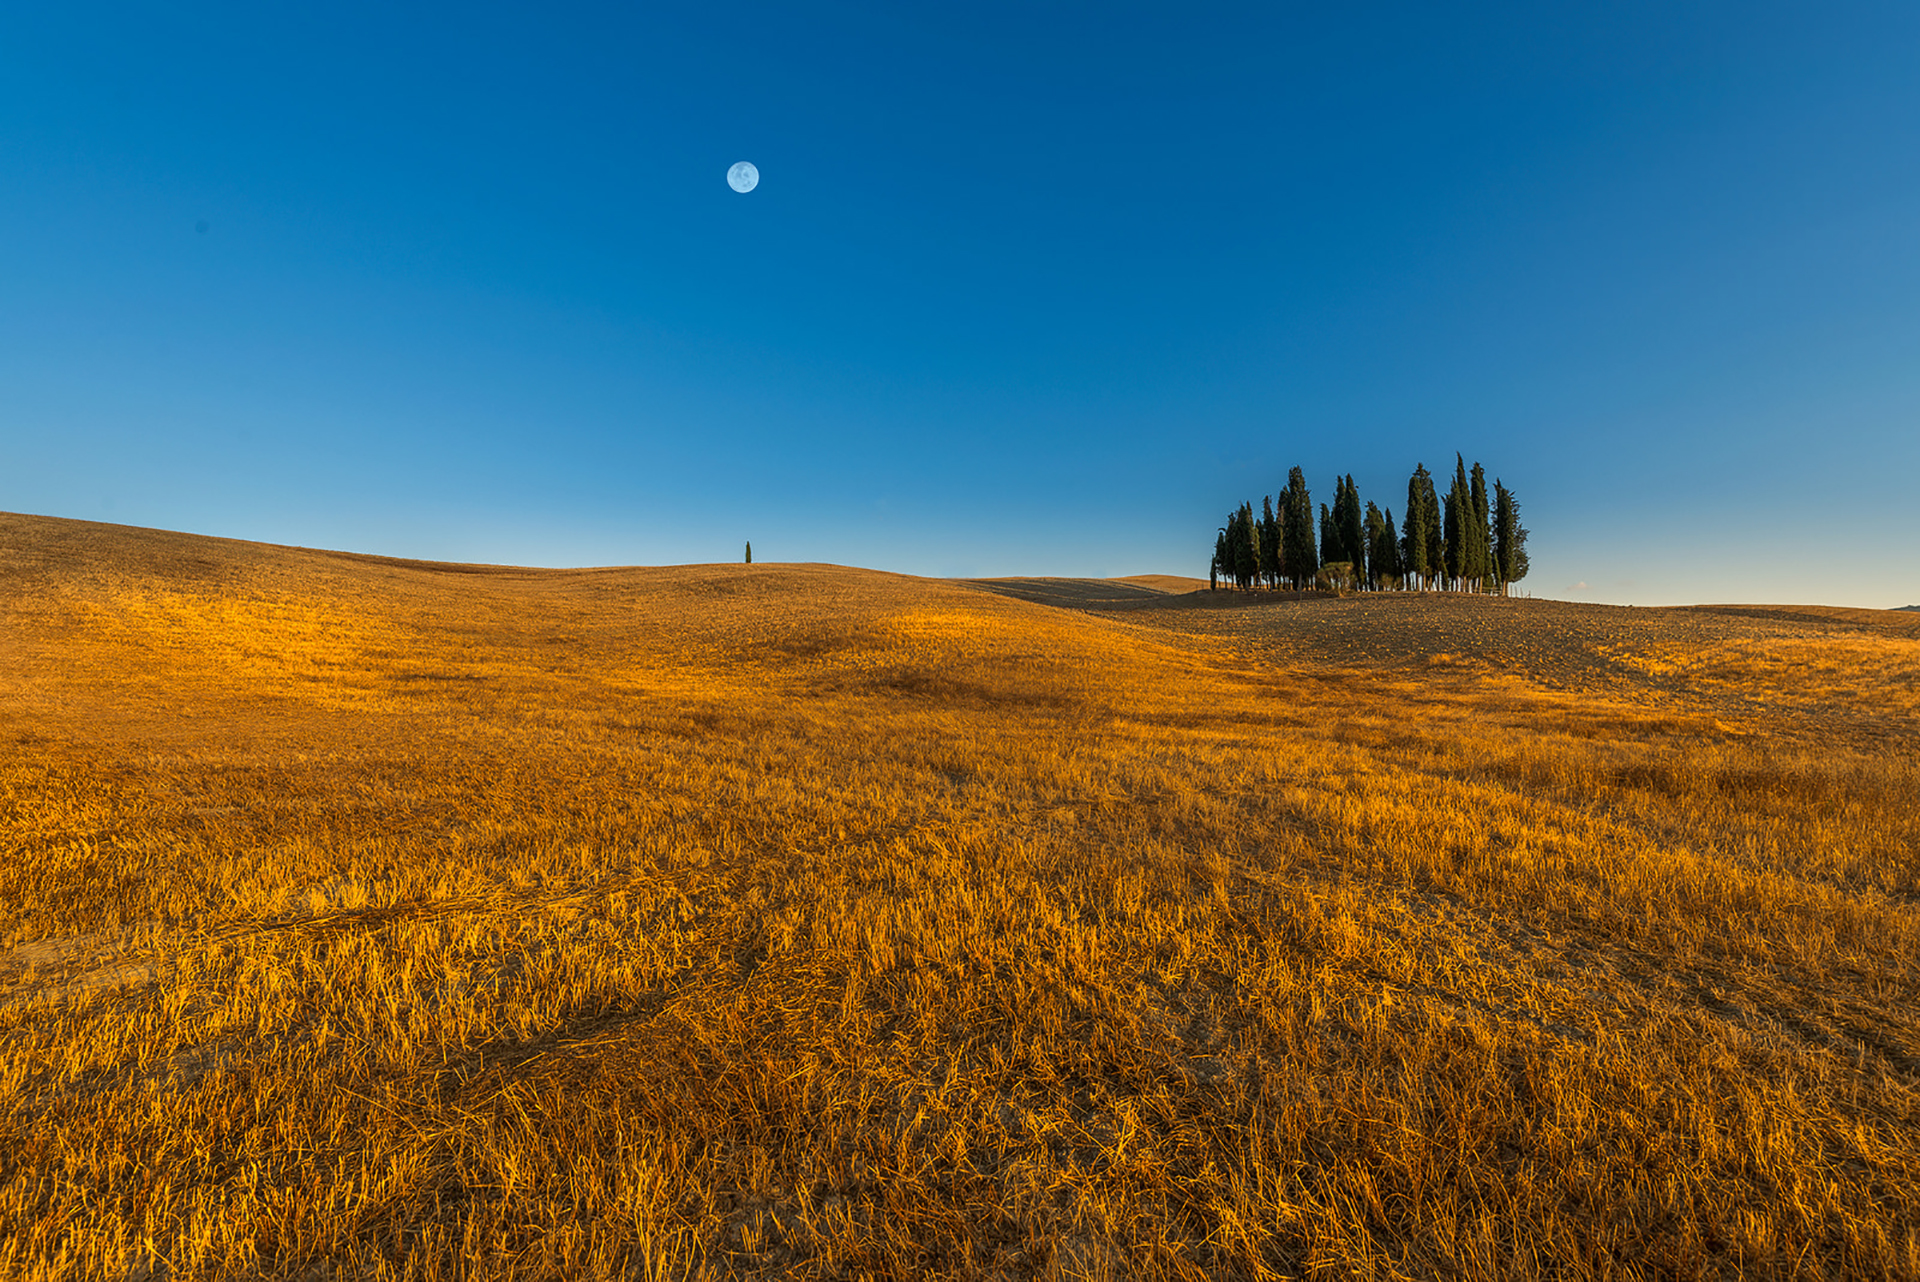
1907,607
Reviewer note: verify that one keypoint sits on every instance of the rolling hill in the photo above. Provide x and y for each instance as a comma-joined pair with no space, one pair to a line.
379,918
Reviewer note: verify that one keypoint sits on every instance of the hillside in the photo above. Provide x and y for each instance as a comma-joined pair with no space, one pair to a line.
419,920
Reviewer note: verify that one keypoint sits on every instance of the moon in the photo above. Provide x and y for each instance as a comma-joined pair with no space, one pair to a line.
743,177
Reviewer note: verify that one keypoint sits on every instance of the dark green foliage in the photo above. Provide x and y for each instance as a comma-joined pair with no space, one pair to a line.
1349,527
1466,543
1480,571
1436,533
1509,538
1421,533
1383,548
1246,546
1236,550
1269,544
1296,532
1459,511
749,551
1390,548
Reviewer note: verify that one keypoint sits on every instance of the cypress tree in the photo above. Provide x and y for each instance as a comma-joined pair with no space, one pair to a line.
1229,560
1352,531
1219,562
1482,569
1269,543
1459,553
1399,567
1297,531
1383,560
1333,525
1509,538
1374,561
1415,560
1435,528
749,551
1329,538
1246,548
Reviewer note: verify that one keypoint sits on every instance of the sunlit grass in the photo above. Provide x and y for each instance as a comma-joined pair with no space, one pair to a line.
793,921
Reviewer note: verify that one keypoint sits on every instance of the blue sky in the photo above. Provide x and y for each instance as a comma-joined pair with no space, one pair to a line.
1025,288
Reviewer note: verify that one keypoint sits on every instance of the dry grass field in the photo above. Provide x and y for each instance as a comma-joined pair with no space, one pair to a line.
374,919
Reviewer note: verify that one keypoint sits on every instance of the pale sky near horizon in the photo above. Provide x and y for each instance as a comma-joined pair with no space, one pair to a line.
1023,289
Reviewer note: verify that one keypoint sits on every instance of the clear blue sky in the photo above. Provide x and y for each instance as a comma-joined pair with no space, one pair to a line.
1025,288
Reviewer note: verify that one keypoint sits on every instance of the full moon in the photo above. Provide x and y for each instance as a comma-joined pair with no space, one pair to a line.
743,177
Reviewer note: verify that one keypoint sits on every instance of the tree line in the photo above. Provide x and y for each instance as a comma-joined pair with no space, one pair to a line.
1471,542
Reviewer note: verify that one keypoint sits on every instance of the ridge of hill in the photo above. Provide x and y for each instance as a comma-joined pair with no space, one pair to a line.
373,918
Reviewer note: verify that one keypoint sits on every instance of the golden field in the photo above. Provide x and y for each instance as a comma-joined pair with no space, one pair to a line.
379,919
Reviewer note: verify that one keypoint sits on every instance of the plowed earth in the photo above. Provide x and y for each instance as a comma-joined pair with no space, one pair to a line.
1825,670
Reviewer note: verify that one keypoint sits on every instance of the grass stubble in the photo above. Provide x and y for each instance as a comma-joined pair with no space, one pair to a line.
372,919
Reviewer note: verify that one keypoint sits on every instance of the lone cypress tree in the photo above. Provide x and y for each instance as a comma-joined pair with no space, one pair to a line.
1297,531
1509,538
749,551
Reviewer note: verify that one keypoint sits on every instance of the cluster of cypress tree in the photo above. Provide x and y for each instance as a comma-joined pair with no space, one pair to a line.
1468,543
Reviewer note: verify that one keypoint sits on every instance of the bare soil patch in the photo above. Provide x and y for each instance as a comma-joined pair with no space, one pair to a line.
1827,669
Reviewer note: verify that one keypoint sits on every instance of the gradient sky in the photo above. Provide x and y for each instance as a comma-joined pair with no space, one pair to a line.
1025,288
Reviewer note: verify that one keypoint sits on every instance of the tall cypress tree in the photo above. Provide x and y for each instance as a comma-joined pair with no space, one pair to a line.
1435,527
1375,562
1297,531
1218,566
1352,531
1229,560
1333,525
1329,539
1246,549
1415,561
749,551
1227,568
1459,554
1509,538
1399,570
1269,543
1383,562
1482,569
